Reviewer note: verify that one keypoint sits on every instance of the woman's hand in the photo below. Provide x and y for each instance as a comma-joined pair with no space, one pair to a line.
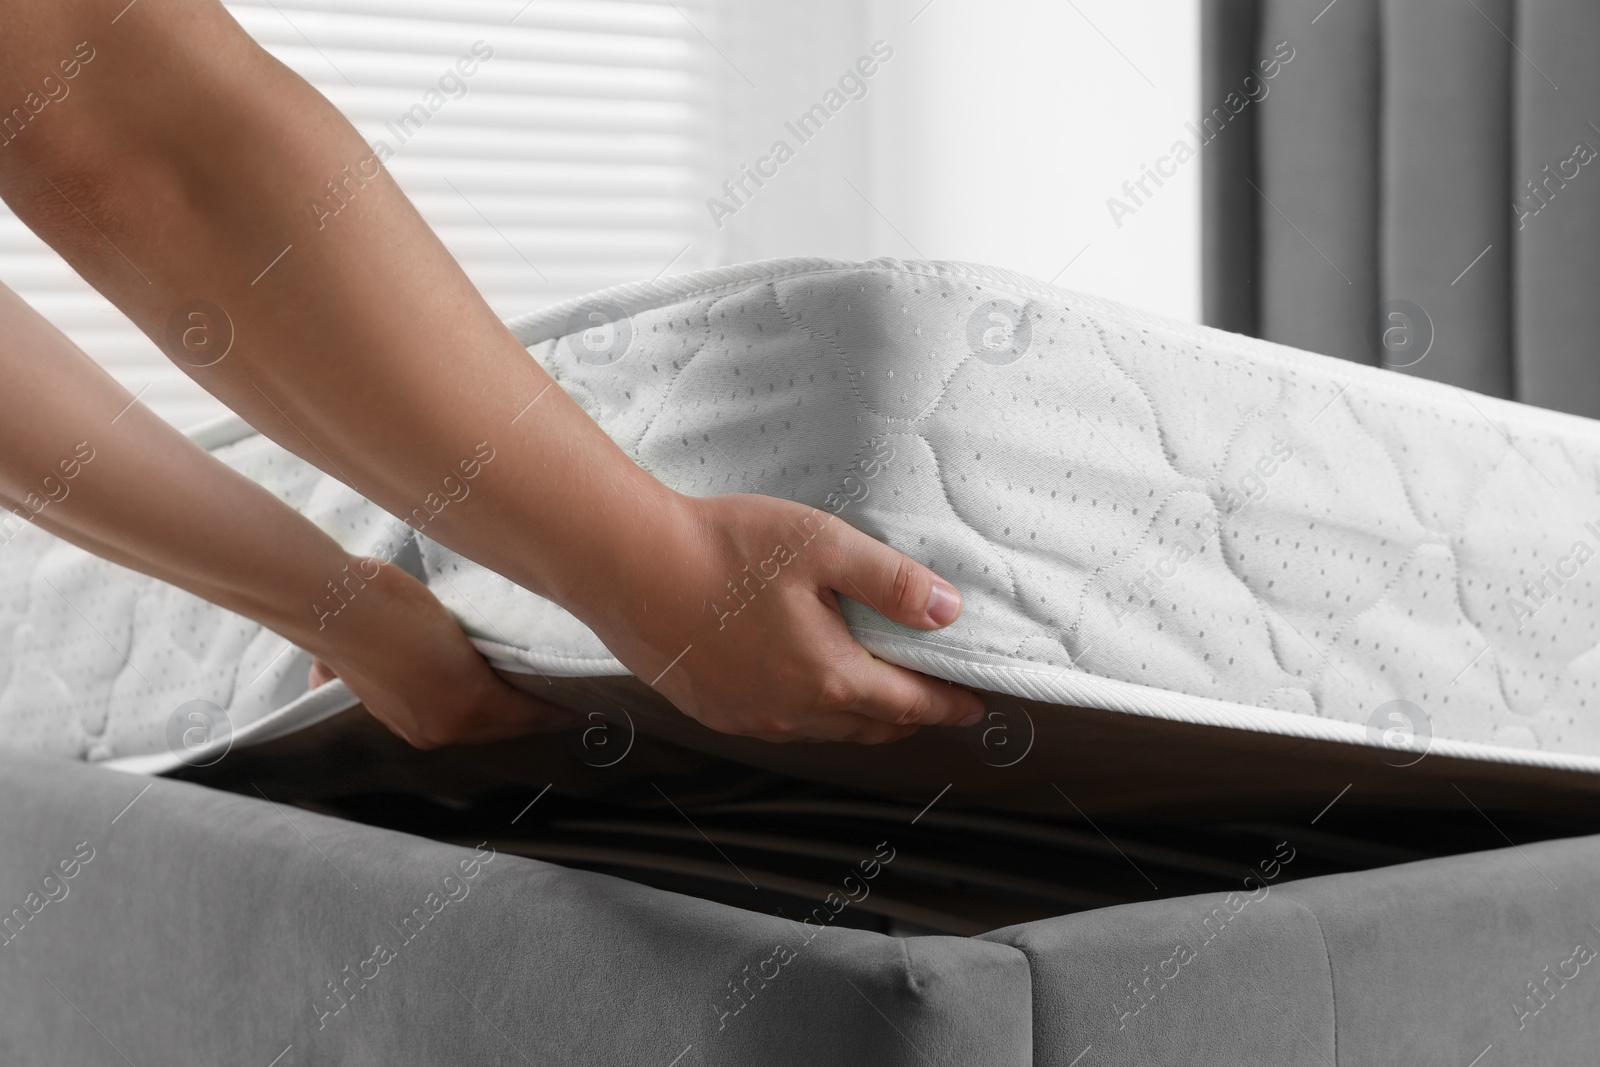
128,486
402,653
729,609
338,353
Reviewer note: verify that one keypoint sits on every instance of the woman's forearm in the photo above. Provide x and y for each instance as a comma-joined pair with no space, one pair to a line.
182,177
81,459
159,191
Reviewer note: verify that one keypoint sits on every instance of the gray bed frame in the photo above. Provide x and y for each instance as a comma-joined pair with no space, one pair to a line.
153,921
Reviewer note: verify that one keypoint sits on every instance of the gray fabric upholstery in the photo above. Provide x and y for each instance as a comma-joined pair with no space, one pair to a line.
1387,162
1255,993
1418,963
204,927
1431,961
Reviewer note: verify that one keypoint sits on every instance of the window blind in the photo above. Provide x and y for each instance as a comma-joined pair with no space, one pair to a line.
574,156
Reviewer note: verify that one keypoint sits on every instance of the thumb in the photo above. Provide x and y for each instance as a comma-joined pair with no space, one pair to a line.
893,584
511,712
320,674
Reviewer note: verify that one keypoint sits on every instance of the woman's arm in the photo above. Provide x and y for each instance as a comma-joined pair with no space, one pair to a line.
82,459
185,165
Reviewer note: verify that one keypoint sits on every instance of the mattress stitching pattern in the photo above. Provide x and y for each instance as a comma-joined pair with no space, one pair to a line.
844,359
71,689
944,488
1327,644
1167,452
1224,556
1008,629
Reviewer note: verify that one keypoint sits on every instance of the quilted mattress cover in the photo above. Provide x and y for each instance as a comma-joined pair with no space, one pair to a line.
1145,517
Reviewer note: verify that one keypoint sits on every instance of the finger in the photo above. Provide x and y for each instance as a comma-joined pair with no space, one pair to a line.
841,727
860,683
508,712
866,731
321,674
893,694
891,583
495,712
872,732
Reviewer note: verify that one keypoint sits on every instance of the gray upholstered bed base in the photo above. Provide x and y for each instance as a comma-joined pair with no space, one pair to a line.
1419,963
159,922
206,928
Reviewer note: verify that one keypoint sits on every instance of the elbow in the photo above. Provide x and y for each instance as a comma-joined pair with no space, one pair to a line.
121,115
105,164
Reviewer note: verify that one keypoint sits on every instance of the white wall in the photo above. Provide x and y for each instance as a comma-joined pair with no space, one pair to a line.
995,134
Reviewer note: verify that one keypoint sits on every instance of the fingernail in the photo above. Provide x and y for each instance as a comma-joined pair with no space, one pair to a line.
972,720
944,603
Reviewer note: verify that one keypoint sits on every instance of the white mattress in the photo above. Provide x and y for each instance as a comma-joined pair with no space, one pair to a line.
1315,539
